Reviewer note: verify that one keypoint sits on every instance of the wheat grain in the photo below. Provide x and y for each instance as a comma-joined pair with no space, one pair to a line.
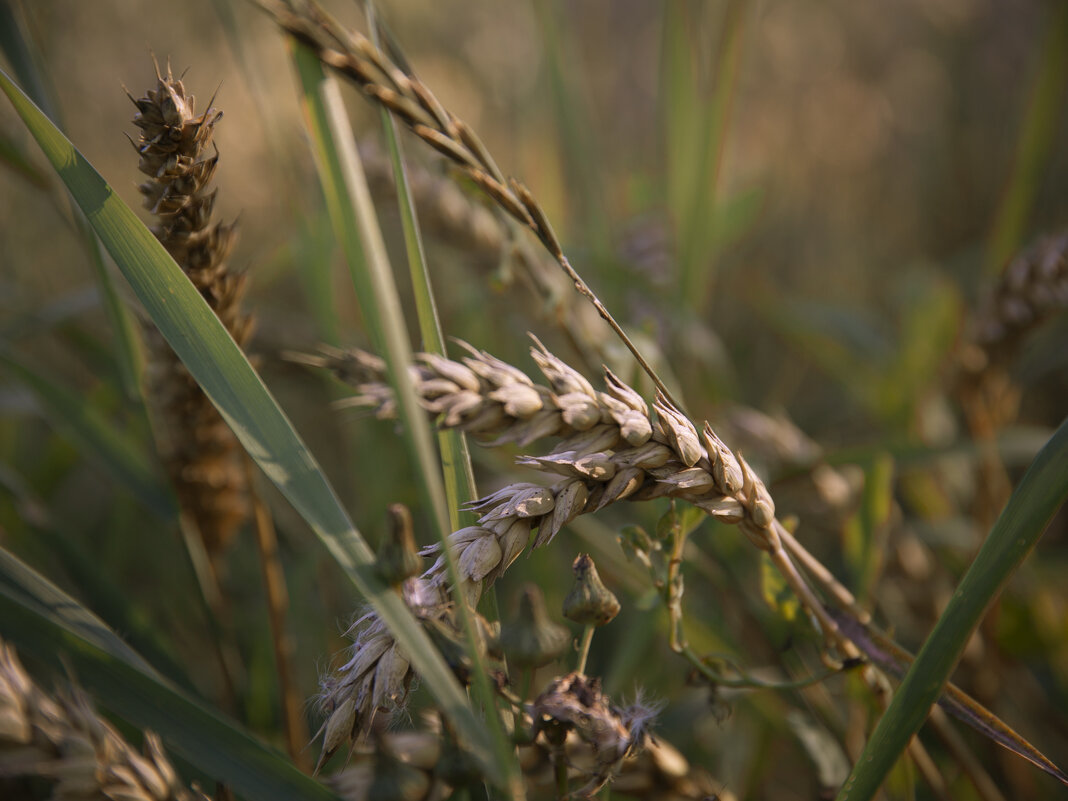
59,737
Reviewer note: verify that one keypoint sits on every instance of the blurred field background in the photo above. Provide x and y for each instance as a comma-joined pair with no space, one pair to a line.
797,207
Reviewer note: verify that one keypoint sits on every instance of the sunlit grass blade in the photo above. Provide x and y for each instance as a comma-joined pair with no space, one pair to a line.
455,455
697,116
221,369
93,435
58,632
1041,491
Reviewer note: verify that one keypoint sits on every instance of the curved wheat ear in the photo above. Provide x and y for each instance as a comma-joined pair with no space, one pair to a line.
411,101
61,738
611,448
200,452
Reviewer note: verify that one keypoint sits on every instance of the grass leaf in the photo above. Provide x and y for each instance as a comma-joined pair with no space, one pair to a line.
1041,491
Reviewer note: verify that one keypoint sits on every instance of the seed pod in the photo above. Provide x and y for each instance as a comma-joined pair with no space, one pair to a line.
533,639
589,602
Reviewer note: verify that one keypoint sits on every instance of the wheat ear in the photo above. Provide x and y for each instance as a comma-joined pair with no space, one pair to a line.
201,454
611,448
60,737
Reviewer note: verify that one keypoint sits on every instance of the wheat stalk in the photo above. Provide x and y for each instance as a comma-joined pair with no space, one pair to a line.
60,737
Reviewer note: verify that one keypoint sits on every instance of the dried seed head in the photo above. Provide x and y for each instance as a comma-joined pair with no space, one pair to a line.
589,602
576,703
533,639
571,500
563,378
398,558
203,458
60,738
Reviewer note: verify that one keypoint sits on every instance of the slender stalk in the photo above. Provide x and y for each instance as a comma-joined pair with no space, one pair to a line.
274,585
584,648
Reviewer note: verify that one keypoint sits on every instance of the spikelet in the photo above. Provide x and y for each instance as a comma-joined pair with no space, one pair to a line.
61,738
199,450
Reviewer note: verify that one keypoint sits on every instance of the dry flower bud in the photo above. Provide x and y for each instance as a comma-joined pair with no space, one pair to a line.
589,602
533,639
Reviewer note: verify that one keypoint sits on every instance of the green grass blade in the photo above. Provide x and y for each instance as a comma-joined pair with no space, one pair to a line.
65,636
1041,491
221,369
96,437
352,214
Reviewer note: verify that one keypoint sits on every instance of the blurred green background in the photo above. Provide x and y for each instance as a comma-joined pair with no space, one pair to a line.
795,206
